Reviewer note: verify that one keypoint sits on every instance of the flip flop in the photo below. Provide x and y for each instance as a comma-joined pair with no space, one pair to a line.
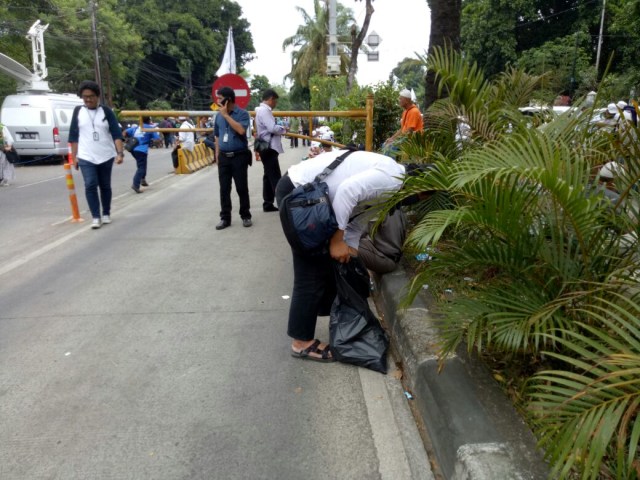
326,355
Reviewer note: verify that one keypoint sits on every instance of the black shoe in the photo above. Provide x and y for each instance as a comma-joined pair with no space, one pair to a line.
223,224
136,189
144,183
246,222
269,208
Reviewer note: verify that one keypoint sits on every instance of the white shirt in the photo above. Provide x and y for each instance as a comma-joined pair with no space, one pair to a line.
187,139
360,178
95,143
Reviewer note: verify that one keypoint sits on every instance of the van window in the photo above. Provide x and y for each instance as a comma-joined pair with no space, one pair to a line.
64,115
24,117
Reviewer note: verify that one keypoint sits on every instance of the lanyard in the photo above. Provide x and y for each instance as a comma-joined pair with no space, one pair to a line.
93,118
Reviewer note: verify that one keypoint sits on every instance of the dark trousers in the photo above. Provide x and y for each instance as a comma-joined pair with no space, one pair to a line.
234,168
141,171
304,140
97,177
314,287
272,175
294,142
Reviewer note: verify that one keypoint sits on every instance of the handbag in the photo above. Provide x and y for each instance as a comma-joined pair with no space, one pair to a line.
306,214
131,143
12,155
261,145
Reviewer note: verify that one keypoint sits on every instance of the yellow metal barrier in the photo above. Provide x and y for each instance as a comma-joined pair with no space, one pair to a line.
366,115
189,162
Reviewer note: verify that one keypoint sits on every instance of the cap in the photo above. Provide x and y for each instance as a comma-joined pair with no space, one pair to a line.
621,104
326,136
612,108
406,93
611,170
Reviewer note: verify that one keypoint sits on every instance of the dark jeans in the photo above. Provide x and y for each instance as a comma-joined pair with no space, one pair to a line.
168,139
272,175
97,177
304,140
294,142
314,287
234,168
141,172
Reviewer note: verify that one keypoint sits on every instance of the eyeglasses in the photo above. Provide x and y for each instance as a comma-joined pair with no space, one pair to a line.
89,97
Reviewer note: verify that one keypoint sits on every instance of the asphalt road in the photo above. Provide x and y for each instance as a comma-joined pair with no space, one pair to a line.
156,347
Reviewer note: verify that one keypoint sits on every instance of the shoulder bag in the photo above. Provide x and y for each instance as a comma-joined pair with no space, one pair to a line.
306,214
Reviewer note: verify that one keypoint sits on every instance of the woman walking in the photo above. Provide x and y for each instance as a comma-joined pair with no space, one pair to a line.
96,141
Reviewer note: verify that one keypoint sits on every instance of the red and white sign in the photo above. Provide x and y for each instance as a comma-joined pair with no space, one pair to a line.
239,85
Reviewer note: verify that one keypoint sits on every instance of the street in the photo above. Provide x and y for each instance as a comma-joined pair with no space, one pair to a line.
156,346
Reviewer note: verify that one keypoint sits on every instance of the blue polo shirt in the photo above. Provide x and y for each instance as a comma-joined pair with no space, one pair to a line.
222,129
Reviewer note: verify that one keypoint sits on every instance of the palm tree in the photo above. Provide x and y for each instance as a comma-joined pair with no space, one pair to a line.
309,56
553,261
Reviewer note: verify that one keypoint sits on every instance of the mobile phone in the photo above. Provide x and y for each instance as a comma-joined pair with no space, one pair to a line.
224,101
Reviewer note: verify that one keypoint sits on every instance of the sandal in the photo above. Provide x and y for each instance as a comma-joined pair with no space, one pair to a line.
326,355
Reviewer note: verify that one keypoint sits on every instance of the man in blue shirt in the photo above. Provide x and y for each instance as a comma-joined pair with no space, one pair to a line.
233,156
141,152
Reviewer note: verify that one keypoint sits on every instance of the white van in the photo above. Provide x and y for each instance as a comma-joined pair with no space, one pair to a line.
39,123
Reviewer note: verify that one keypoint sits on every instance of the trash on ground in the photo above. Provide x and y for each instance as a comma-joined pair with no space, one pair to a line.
408,395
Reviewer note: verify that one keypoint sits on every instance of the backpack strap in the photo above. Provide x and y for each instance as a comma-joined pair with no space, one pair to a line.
325,173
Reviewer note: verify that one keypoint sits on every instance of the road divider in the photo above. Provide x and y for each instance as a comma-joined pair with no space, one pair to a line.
191,161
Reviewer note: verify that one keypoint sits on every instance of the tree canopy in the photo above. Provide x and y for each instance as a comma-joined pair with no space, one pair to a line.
150,49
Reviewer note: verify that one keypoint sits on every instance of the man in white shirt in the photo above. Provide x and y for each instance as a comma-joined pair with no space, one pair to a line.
268,130
353,186
187,140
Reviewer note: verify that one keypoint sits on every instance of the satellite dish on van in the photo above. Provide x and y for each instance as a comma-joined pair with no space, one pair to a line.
29,81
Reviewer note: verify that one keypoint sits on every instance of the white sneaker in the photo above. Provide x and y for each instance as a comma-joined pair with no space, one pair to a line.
96,223
106,219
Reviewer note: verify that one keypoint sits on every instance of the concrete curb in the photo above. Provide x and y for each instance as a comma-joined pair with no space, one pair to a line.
474,430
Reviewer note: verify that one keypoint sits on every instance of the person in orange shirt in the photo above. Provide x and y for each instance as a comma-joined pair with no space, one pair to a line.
411,120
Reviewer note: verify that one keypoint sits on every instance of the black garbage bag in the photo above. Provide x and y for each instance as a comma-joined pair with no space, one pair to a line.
356,336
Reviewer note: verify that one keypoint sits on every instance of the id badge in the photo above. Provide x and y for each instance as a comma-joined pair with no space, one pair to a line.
96,137
225,138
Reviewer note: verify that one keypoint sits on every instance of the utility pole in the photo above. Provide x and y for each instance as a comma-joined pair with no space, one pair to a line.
94,30
604,4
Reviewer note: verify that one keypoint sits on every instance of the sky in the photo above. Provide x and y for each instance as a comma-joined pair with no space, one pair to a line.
273,21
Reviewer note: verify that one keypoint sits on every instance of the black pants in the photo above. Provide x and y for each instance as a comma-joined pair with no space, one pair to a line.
304,140
294,142
269,159
234,168
314,286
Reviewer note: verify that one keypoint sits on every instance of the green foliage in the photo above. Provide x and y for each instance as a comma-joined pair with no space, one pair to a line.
149,49
259,83
386,112
410,74
553,261
540,36
325,89
555,60
309,56
159,104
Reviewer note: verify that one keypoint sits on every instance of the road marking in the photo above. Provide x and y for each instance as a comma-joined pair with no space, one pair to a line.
41,181
20,261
